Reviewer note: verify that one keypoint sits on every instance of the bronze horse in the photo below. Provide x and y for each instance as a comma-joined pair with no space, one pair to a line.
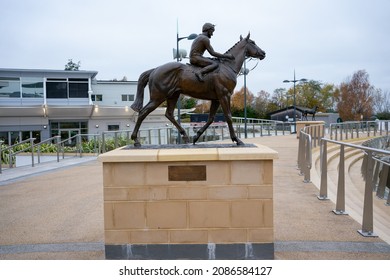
310,111
168,81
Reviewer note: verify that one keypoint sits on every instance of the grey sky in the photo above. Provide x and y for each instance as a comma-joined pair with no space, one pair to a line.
325,40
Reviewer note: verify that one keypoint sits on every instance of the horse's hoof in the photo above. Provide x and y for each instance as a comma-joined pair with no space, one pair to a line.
186,140
137,144
240,143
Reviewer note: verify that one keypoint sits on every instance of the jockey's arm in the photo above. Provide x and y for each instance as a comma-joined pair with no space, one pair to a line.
211,51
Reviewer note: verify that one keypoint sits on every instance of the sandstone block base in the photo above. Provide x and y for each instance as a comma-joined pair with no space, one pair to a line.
192,203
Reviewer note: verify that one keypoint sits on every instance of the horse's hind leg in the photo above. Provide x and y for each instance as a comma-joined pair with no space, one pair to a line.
143,113
171,103
213,111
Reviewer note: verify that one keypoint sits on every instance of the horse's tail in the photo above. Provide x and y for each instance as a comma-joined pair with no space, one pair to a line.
142,82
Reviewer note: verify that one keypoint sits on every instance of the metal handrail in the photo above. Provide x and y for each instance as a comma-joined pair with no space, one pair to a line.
37,147
49,140
11,154
304,155
78,143
349,129
309,136
367,223
254,120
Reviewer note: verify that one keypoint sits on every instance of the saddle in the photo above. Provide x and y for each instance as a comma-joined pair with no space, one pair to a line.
194,68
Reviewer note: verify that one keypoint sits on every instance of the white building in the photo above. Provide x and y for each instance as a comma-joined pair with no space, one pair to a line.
45,103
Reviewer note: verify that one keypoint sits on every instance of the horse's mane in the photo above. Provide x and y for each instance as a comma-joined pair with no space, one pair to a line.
216,58
232,47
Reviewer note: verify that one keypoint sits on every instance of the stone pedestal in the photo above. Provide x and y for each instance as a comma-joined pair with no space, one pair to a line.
189,203
302,124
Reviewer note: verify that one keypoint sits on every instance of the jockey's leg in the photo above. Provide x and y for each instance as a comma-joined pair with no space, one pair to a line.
209,68
207,64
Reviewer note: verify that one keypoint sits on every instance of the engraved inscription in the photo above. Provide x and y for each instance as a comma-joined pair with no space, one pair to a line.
187,173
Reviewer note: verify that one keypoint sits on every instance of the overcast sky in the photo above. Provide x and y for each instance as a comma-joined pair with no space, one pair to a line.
323,40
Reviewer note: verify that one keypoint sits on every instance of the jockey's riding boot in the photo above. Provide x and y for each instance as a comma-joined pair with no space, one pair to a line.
199,76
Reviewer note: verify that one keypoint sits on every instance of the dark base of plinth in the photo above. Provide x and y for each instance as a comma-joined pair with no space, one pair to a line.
249,251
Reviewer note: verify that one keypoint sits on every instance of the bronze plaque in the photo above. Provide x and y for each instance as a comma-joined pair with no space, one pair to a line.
187,173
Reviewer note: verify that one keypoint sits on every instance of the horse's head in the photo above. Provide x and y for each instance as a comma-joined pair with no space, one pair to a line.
251,49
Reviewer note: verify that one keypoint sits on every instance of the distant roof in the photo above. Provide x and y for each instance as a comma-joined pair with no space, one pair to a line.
46,72
298,108
115,82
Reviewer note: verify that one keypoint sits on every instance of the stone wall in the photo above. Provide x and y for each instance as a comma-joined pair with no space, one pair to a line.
162,197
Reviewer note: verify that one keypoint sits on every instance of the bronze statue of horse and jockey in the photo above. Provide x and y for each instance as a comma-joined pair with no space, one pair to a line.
168,81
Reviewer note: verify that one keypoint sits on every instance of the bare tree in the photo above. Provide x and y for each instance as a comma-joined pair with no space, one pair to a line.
260,104
381,101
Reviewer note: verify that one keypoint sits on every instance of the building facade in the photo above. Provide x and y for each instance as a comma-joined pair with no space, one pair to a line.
45,103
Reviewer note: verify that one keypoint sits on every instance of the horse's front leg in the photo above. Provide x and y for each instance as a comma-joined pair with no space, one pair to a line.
225,104
213,111
171,103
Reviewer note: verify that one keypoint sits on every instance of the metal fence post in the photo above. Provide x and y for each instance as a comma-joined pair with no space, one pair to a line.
388,201
116,139
307,160
1,143
375,177
340,201
32,151
380,192
128,137
39,154
368,214
324,172
10,159
300,154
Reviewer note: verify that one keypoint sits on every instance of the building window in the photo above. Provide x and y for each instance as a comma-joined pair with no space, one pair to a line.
113,127
127,97
78,88
97,97
64,88
9,87
32,87
56,88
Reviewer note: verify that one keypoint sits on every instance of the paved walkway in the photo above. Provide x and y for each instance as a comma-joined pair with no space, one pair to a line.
55,211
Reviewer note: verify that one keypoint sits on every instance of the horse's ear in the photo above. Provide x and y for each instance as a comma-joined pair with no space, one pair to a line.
247,37
240,37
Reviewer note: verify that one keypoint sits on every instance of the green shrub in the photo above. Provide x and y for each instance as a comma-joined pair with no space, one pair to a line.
4,157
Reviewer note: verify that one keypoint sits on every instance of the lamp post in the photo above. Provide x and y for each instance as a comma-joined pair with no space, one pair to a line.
294,116
189,37
245,71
